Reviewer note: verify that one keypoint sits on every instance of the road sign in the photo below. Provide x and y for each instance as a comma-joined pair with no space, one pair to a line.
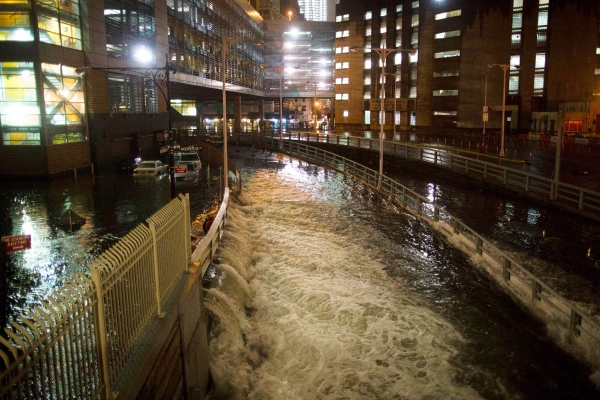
190,148
17,243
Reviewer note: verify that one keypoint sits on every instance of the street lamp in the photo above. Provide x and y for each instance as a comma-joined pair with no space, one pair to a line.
505,67
395,75
383,54
225,45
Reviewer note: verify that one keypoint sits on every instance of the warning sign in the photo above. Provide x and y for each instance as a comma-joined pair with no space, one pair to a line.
17,243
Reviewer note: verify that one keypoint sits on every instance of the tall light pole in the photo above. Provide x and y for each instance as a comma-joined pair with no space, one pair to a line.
395,75
225,45
505,67
383,54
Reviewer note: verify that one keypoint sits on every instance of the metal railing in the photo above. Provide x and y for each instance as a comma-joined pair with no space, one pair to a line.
80,339
578,199
580,329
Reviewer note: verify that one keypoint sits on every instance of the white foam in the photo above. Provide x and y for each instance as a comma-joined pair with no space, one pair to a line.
327,322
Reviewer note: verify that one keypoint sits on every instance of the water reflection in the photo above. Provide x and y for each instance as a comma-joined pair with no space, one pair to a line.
112,206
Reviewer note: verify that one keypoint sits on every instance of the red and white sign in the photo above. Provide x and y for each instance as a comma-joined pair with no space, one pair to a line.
180,169
17,243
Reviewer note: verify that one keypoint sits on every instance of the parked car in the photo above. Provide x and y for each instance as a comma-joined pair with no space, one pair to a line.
186,170
189,157
150,168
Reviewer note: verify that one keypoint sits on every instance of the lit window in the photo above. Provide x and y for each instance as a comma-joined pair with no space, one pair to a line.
368,30
538,83
399,8
383,27
338,18
345,81
414,20
338,50
443,35
517,21
366,95
345,65
63,101
441,74
447,54
540,60
399,23
345,49
367,117
346,17
415,4
445,113
19,109
443,92
345,33
515,38
59,24
515,59
15,24
573,126
338,65
345,113
338,34
597,71
513,84
542,19
368,80
383,12
185,107
367,63
449,14
517,3
368,15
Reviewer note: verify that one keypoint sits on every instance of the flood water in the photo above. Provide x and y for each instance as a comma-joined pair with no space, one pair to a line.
112,204
324,291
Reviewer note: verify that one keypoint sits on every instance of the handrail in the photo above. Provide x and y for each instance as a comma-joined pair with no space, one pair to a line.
575,198
539,297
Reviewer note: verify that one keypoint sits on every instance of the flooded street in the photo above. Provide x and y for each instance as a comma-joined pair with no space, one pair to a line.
112,205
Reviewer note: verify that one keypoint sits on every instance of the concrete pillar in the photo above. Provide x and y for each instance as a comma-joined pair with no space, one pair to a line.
237,114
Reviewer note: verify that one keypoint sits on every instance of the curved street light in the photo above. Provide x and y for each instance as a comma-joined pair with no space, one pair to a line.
505,67
383,54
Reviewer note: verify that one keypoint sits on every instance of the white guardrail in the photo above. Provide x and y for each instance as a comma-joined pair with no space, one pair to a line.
82,338
571,328
573,197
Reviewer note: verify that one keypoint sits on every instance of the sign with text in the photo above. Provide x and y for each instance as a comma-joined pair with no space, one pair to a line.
17,243
190,148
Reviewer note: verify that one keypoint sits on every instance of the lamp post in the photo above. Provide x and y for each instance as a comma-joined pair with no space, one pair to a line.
383,54
224,46
505,67
395,75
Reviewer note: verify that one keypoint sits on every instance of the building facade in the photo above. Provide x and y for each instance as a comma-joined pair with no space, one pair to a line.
466,55
84,82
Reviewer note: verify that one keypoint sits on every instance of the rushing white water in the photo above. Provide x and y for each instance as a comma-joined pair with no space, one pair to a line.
324,319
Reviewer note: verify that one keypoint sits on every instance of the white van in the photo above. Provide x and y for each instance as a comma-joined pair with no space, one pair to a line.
189,157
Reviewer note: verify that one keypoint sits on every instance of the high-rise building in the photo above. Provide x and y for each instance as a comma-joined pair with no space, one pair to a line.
467,54
317,10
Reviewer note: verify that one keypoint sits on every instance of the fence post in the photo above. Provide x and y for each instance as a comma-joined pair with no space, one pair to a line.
100,324
479,244
574,323
152,227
